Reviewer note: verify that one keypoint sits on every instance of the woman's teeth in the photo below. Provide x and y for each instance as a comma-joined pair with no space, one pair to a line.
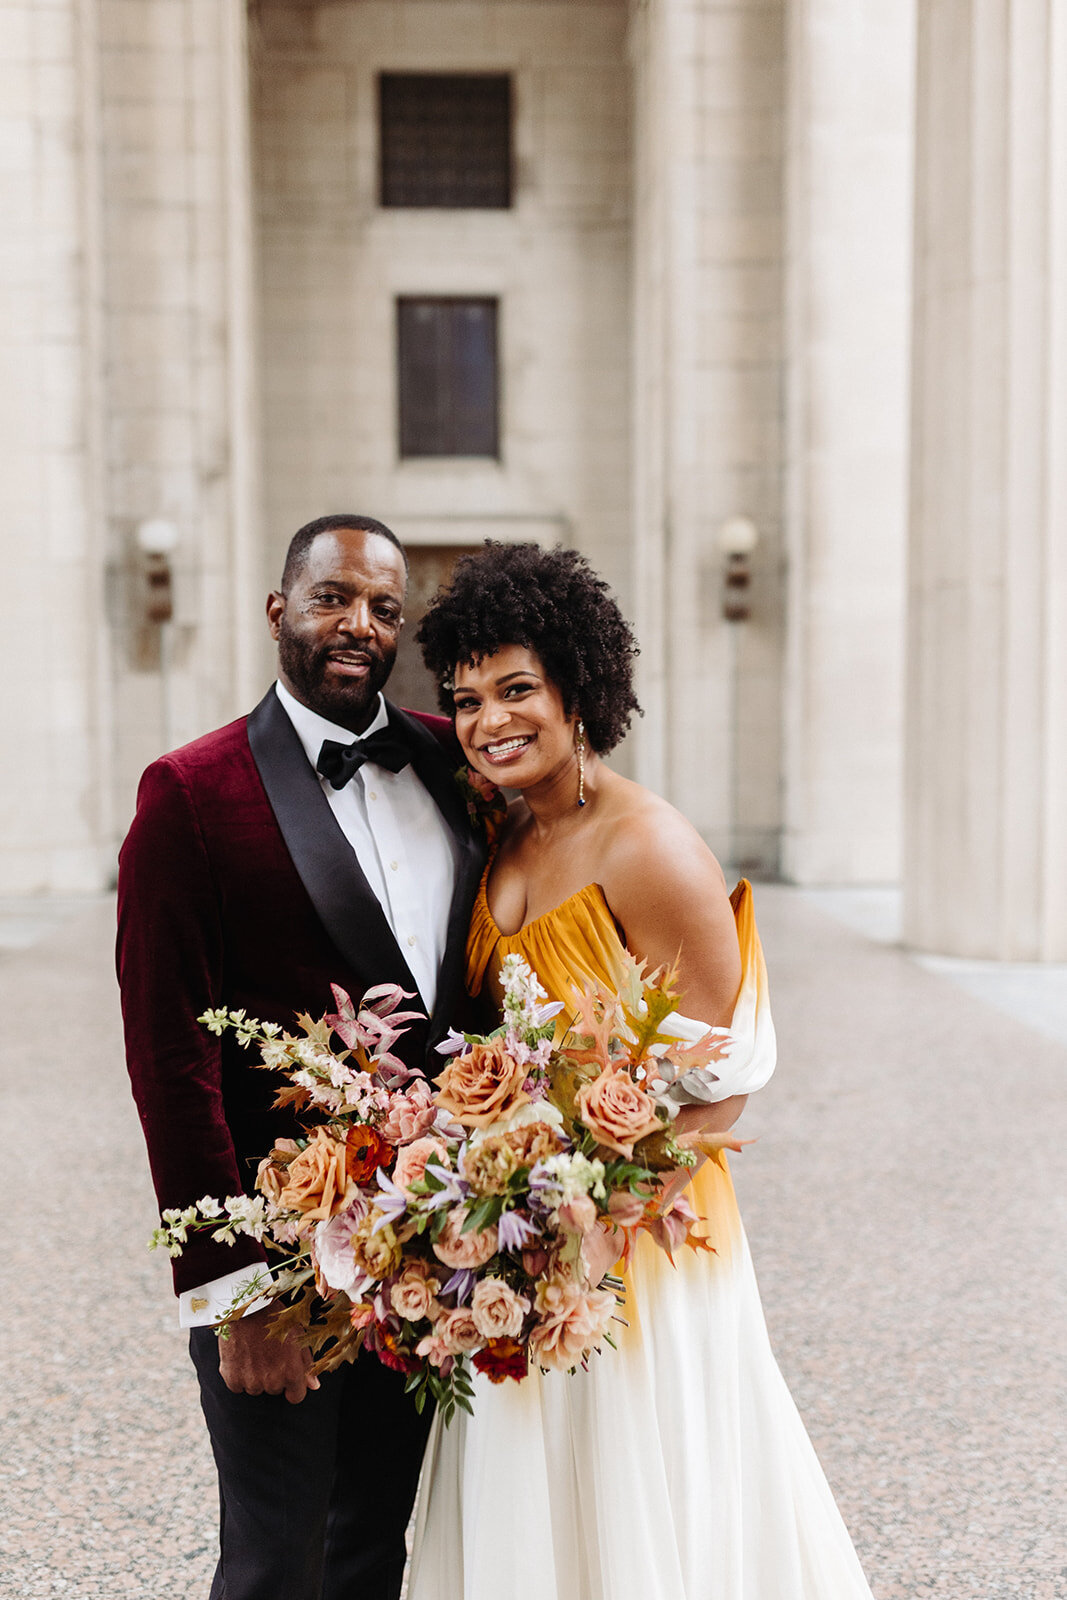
506,746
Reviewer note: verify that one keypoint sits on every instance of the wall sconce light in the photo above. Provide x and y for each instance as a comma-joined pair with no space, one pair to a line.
738,538
157,539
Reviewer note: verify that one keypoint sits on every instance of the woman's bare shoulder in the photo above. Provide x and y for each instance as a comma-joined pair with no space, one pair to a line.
648,836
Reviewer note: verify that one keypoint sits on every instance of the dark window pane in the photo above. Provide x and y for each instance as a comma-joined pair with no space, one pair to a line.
447,369
445,140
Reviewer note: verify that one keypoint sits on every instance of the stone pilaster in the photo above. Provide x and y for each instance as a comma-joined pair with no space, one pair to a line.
176,209
850,104
54,723
707,407
986,858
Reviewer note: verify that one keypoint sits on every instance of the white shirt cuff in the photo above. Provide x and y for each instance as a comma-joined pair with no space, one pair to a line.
209,1303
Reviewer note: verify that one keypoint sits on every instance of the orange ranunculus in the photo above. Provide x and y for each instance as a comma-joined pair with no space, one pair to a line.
366,1152
317,1182
502,1358
482,1086
617,1111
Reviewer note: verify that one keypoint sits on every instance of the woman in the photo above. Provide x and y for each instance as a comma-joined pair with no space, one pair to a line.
676,1467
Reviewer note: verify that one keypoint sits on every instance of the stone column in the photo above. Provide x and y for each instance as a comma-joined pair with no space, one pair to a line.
707,408
178,321
849,263
55,720
986,854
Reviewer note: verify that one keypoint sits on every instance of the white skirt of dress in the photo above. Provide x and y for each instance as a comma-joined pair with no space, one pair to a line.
675,1468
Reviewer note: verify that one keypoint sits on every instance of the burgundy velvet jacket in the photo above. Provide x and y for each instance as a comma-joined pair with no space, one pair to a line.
238,888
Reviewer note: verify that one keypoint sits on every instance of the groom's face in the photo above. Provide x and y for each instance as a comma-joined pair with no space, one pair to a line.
338,625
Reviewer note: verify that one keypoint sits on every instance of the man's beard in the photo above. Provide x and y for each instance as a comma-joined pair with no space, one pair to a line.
350,702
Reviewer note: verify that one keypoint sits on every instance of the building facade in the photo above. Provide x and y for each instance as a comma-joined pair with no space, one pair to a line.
632,275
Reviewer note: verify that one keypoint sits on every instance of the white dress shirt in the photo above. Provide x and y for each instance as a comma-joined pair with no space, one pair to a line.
408,858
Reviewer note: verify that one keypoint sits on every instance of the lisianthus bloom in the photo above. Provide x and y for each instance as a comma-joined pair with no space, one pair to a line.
458,1249
497,1310
502,1358
411,1160
317,1182
617,1111
572,1322
367,1150
482,1086
331,1250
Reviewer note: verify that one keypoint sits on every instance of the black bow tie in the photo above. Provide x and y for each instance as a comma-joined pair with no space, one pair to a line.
386,748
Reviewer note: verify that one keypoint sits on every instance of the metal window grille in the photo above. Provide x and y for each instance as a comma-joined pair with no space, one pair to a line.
445,140
448,382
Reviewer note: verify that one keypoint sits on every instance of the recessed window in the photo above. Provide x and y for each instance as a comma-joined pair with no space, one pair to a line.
445,139
447,372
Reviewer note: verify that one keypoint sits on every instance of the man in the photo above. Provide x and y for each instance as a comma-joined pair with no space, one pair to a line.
321,839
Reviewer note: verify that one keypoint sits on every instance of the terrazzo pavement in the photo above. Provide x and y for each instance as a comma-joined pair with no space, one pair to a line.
905,1207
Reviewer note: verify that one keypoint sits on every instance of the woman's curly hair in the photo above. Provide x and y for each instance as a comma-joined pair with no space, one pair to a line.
552,602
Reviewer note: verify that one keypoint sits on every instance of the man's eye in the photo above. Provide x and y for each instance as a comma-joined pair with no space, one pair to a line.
329,599
389,617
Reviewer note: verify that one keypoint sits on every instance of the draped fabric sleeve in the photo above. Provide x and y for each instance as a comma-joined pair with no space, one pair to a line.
749,1059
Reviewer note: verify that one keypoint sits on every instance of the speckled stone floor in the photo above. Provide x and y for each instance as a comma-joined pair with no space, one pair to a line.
904,1202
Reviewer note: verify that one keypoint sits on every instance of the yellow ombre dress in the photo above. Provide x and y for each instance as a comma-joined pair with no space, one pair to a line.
676,1467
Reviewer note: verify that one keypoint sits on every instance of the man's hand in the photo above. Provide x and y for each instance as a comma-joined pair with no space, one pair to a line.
252,1363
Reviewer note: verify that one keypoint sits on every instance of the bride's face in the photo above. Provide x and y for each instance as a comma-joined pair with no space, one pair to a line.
510,719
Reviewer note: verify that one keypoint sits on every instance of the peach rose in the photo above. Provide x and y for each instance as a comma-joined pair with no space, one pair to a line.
317,1182
458,1249
458,1330
482,1086
573,1321
617,1111
411,1160
497,1310
412,1292
273,1172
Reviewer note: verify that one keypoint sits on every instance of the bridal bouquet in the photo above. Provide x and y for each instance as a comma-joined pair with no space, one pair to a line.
442,1225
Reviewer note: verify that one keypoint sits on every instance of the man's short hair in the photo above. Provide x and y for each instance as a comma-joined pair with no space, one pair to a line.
304,538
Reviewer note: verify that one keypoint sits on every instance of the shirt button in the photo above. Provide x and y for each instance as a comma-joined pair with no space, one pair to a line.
394,865
411,938
372,794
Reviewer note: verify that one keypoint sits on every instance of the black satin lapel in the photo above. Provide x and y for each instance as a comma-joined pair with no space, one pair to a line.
327,865
437,773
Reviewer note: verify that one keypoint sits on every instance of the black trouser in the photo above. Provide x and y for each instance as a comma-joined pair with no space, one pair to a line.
314,1498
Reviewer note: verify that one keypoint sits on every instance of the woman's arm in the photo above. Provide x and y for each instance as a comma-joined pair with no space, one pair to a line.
668,893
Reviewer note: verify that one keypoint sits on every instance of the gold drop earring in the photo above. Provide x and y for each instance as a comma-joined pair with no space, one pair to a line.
580,745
